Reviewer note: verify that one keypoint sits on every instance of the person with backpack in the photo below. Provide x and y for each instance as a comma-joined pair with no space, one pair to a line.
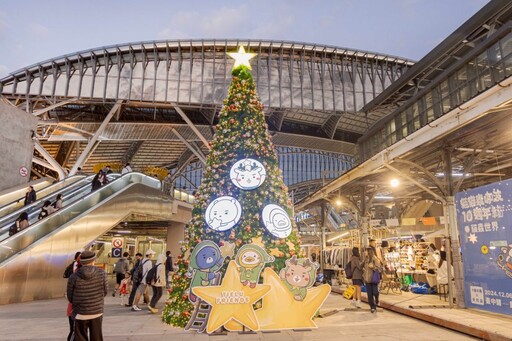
356,274
156,278
120,269
140,276
20,224
46,210
135,285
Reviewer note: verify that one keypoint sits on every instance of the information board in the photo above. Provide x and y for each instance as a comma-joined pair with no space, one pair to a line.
484,219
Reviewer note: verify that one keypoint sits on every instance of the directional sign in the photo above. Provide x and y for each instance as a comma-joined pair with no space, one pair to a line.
117,252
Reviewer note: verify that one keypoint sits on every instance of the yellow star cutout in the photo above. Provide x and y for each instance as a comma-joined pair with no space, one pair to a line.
231,300
281,311
242,58
228,249
258,241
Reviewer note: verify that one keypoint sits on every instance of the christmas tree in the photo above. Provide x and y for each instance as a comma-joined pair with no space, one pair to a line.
242,170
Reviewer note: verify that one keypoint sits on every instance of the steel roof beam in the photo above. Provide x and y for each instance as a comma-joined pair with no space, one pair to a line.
52,164
88,149
191,125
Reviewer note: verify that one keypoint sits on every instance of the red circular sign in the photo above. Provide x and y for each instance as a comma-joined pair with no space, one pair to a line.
117,242
23,171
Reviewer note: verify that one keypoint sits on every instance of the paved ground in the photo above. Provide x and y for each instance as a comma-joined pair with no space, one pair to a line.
46,320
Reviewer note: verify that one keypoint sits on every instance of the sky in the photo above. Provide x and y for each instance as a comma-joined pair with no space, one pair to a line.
32,31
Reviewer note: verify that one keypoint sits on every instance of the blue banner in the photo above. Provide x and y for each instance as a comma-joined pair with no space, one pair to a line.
484,218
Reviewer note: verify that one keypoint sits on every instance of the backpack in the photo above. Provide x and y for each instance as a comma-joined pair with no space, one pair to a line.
152,275
69,270
138,273
348,270
13,229
121,266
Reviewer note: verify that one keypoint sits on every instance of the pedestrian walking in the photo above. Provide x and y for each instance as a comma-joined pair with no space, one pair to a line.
86,290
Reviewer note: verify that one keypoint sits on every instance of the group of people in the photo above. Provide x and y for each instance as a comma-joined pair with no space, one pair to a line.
22,222
101,179
143,275
366,271
437,267
87,287
369,269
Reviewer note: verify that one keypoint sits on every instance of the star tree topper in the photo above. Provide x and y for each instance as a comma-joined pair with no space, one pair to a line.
242,58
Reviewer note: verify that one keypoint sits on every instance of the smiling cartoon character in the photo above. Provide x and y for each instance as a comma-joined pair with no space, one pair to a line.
298,276
223,213
205,261
251,259
505,260
277,221
247,174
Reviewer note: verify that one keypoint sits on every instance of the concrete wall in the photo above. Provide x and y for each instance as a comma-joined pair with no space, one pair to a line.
175,234
16,145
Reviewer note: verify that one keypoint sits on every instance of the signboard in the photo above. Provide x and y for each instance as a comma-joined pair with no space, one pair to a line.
484,219
23,171
117,252
117,247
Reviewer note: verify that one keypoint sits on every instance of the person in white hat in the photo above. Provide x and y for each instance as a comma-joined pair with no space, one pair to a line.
146,266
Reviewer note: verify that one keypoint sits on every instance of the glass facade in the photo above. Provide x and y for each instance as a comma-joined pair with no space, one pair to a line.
197,73
298,166
485,67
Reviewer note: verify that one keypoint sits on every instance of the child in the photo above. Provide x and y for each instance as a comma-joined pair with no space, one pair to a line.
125,287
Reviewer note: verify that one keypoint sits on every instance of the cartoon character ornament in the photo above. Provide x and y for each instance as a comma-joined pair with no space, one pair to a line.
505,260
298,276
277,221
223,213
251,260
205,261
247,174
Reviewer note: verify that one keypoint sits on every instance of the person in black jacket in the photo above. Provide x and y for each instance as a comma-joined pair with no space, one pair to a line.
30,196
86,290
168,268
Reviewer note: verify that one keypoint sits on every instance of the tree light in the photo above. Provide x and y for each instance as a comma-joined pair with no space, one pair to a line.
395,183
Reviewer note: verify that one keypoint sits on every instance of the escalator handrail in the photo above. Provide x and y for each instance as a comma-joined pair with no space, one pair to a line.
44,190
39,230
33,209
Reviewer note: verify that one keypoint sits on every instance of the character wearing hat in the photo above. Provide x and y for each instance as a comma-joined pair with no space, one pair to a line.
251,259
206,259
86,290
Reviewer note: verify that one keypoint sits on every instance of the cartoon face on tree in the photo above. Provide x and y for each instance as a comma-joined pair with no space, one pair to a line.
276,221
247,174
298,276
223,213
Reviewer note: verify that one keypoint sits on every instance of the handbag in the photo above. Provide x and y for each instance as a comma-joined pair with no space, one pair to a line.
376,277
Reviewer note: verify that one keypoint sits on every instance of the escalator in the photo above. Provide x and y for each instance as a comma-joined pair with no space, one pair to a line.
17,193
70,193
13,203
32,261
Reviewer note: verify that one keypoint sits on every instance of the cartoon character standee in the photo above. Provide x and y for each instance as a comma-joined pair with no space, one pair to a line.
247,174
251,259
298,276
505,260
206,259
277,221
223,213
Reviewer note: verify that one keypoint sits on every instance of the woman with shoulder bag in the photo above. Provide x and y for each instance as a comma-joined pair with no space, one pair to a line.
372,268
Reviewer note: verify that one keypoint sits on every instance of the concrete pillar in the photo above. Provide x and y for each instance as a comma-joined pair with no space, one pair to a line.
451,215
175,234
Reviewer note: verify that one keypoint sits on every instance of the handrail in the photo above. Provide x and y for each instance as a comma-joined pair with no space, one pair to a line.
68,214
